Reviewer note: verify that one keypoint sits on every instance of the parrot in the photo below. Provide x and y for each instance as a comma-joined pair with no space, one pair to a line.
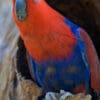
60,54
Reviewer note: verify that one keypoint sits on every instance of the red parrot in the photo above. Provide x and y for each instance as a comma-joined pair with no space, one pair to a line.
61,55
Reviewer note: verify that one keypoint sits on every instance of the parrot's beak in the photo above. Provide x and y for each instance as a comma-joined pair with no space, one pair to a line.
20,9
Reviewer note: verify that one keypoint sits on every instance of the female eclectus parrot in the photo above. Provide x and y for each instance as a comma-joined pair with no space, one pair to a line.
60,53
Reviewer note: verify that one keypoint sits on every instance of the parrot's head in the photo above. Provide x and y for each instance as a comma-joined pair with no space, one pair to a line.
21,6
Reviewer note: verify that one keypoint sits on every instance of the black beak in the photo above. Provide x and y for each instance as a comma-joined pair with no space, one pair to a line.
20,8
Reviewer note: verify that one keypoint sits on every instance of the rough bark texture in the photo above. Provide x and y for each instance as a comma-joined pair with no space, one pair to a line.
13,86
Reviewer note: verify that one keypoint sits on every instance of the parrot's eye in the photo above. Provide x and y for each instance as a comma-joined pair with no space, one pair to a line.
20,7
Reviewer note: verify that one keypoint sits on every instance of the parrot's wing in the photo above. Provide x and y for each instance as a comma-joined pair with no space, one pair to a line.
91,54
93,60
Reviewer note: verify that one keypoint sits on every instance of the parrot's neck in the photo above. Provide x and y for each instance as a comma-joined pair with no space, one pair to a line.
45,33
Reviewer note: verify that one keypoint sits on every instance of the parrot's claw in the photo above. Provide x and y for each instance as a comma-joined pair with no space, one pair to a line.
20,7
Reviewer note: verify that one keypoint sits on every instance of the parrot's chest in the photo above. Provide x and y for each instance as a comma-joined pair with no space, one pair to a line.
49,46
64,74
